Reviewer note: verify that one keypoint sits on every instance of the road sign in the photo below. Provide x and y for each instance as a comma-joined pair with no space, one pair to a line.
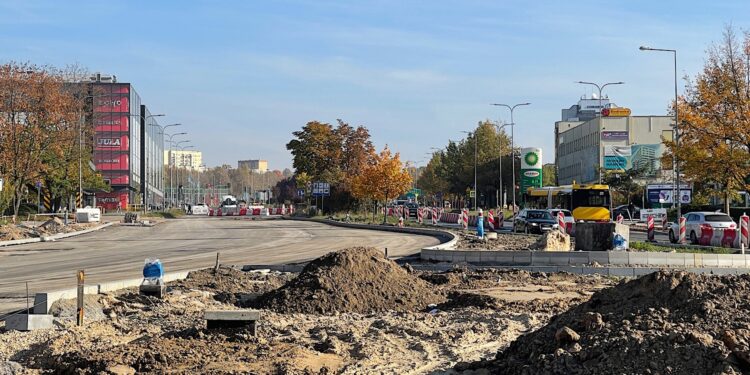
38,184
300,192
472,194
415,191
321,189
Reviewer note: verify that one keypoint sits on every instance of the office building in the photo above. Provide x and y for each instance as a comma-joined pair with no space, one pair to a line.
614,142
189,159
128,145
586,109
256,166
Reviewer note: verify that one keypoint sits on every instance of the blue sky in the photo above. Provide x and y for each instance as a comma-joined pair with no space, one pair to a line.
242,75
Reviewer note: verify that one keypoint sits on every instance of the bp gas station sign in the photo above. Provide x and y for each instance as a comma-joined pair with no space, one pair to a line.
531,168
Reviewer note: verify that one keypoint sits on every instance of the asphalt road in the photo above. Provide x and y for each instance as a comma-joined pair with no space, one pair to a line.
118,253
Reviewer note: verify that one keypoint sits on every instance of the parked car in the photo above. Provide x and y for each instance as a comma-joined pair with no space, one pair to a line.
567,216
694,221
623,210
412,209
199,209
534,221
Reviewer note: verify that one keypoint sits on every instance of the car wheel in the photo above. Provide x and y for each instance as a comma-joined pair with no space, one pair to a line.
672,239
693,238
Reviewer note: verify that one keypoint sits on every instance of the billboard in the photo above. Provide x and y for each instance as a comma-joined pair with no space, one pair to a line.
111,122
111,200
664,193
614,135
108,162
531,168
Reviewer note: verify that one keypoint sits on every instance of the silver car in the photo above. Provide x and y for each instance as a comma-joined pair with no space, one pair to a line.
695,220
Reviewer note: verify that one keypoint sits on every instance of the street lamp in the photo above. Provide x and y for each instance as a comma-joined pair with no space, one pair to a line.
601,125
502,192
182,163
171,163
675,160
512,147
475,165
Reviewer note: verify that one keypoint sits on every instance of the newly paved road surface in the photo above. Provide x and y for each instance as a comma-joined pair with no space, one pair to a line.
117,253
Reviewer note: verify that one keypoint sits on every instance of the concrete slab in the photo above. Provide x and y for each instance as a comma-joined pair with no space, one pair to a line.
26,322
218,319
679,260
635,258
710,260
600,257
621,271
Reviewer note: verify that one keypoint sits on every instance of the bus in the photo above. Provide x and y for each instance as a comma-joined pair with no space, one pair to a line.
587,202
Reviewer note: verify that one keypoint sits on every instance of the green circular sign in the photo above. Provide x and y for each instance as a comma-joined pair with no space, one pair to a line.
531,158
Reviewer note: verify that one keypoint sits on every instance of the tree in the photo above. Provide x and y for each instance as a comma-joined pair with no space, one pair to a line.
36,112
382,180
714,119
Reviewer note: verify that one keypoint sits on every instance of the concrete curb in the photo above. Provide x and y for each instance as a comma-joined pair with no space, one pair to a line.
442,235
60,236
53,237
527,258
585,270
44,300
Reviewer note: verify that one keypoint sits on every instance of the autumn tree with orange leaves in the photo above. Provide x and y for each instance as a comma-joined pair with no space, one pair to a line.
40,120
382,180
715,121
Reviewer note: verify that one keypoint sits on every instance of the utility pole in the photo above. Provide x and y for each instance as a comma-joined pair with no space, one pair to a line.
512,148
601,123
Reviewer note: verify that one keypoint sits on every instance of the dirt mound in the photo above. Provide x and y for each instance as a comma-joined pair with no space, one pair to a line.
552,241
231,285
664,322
504,242
12,232
357,280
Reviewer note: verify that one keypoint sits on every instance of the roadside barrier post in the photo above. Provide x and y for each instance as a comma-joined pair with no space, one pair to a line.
419,215
681,222
466,218
650,225
80,276
744,230
620,219
664,222
434,216
561,221
491,220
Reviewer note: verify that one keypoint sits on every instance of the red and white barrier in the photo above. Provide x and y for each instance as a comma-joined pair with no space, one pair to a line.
561,221
664,222
465,219
744,230
434,216
650,226
491,220
620,219
681,222
419,215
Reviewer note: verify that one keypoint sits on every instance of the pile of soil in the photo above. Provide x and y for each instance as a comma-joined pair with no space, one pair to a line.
665,322
231,285
504,241
552,241
12,232
359,279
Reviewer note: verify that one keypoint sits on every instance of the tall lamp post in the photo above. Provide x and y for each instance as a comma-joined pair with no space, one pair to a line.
601,125
675,159
171,165
182,163
512,147
502,192
476,136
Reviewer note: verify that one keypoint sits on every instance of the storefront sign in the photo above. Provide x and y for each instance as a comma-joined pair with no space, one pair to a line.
614,135
616,112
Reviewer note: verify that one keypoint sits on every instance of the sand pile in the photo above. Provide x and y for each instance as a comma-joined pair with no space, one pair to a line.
357,280
552,241
669,323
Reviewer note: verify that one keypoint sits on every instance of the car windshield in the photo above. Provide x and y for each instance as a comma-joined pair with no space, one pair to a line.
718,218
539,215
565,213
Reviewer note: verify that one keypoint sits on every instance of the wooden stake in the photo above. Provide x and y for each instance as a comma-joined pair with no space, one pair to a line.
81,278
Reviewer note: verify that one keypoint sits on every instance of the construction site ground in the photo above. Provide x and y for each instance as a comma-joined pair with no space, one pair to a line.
457,317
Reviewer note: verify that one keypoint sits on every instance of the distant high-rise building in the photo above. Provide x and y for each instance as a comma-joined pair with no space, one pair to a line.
189,159
256,166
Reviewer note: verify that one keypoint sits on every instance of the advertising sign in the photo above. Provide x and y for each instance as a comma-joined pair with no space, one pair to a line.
663,193
112,104
616,112
617,157
657,213
112,162
614,135
104,142
111,123
110,200
531,168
